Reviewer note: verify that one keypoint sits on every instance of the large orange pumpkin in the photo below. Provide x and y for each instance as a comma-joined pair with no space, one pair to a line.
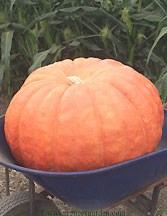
83,114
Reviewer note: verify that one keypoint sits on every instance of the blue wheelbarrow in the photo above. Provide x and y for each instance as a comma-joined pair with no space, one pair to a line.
88,190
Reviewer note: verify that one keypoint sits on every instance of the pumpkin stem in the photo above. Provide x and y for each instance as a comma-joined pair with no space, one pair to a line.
75,80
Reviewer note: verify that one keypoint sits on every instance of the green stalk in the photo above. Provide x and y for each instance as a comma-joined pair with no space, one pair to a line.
131,56
139,6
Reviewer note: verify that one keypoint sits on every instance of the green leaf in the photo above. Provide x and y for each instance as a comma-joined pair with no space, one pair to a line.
87,36
70,9
91,46
2,71
99,1
88,9
2,18
164,70
73,9
6,44
163,88
56,22
75,43
53,49
47,15
153,18
113,18
4,26
11,4
31,42
38,59
18,26
161,34
162,23
27,2
41,56
163,9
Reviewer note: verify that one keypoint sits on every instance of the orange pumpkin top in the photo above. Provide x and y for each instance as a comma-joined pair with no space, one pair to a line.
83,114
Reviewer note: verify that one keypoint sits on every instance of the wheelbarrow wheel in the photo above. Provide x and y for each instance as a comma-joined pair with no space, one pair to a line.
18,204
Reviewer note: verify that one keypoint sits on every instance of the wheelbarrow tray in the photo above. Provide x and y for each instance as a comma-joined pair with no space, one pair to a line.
97,189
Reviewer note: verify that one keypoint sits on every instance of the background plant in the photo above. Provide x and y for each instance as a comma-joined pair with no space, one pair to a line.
35,33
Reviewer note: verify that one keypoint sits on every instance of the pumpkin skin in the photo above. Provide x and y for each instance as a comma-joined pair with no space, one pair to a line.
58,122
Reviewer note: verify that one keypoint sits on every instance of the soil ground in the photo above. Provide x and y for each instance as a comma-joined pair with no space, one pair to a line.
18,182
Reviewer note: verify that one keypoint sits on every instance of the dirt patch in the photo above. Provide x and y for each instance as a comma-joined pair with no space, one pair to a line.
18,182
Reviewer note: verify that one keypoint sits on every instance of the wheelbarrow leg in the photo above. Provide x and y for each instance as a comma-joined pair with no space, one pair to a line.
145,206
154,199
7,181
32,197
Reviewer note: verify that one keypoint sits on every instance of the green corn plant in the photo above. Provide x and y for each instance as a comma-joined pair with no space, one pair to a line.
131,31
6,43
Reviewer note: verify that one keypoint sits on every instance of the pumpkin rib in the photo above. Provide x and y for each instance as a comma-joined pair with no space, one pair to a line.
156,98
65,67
115,70
34,83
151,101
106,66
83,71
116,134
42,78
99,125
13,101
43,101
8,123
53,134
138,113
21,115
109,69
19,122
76,142
56,123
50,71
140,78
113,62
84,62
152,92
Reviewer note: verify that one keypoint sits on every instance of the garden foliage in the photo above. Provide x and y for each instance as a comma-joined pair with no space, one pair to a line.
34,33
